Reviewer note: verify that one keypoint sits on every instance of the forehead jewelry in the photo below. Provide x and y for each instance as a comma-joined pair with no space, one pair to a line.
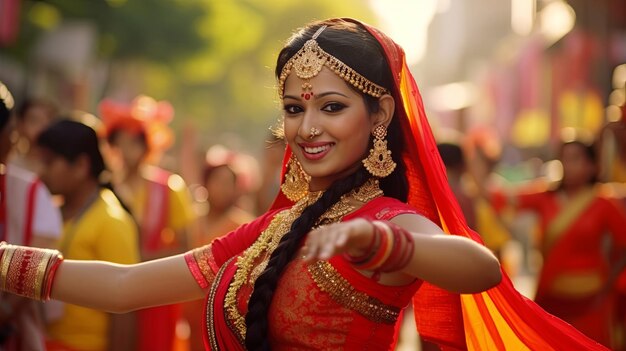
309,61
314,132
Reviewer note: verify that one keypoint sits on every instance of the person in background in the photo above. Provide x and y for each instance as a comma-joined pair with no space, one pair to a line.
33,116
95,227
158,199
483,151
576,281
27,217
454,160
223,181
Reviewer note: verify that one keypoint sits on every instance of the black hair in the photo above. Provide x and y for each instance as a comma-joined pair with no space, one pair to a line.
590,153
115,131
357,48
451,155
5,114
71,139
6,106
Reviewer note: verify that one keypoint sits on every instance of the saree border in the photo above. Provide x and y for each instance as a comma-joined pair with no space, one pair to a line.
210,310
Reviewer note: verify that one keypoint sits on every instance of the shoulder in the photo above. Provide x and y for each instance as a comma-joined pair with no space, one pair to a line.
19,175
611,190
164,177
385,208
111,211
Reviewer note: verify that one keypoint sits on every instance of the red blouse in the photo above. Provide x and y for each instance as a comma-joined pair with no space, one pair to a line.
325,305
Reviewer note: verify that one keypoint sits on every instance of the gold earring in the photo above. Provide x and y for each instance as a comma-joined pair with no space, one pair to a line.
296,185
379,162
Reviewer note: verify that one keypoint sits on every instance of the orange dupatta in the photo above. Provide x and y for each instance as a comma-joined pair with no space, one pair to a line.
497,319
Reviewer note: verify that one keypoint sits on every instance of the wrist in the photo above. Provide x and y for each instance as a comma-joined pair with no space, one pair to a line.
391,249
364,243
27,271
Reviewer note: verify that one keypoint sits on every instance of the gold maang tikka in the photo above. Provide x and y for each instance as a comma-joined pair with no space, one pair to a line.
309,61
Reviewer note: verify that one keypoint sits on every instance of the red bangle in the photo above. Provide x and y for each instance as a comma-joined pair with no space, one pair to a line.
384,250
49,279
405,248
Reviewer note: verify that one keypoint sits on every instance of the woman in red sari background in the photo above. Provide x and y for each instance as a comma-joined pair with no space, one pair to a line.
360,228
575,219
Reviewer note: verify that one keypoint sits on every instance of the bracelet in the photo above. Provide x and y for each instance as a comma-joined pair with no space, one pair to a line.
390,250
28,271
369,252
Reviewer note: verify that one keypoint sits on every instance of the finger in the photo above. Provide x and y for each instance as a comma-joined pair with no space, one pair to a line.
312,245
342,239
333,242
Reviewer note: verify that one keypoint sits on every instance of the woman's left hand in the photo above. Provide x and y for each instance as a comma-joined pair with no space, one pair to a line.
329,240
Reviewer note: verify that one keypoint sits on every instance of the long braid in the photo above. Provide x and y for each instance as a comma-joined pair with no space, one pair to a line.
265,285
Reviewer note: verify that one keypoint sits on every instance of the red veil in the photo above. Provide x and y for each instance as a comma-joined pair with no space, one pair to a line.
498,319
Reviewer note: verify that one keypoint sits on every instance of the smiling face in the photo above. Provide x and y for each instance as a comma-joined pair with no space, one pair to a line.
341,123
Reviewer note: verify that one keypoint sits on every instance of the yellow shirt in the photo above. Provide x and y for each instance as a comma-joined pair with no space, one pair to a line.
104,232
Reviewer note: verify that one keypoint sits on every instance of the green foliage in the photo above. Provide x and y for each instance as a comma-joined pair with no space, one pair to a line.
213,59
162,30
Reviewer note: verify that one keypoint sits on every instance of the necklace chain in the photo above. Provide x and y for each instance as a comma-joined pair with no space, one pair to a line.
254,259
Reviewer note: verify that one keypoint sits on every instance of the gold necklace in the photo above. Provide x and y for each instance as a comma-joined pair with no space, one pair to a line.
259,252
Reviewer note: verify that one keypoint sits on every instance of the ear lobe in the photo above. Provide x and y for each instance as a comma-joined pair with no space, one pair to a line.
387,107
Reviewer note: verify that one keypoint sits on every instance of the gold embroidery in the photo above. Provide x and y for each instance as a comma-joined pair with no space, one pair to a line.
340,290
254,259
202,256
577,285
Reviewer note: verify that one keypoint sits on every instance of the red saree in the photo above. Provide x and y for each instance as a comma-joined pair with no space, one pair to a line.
498,319
322,306
574,283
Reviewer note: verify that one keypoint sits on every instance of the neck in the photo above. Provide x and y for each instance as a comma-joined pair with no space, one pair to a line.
131,173
215,213
75,201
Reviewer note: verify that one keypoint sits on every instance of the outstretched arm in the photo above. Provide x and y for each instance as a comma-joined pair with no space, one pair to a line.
451,262
121,288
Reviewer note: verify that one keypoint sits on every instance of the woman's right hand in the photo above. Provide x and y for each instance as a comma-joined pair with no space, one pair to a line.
351,237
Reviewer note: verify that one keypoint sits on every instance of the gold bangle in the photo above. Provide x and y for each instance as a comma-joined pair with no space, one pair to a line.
6,260
25,271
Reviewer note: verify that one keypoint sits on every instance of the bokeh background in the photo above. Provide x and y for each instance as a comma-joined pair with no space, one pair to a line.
524,67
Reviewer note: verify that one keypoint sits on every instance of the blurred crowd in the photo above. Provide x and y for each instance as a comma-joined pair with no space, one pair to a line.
96,186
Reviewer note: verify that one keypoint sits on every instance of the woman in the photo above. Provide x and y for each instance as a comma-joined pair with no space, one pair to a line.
317,267
224,183
28,217
576,282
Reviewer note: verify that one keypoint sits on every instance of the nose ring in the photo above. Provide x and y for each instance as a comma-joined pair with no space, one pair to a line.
314,132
